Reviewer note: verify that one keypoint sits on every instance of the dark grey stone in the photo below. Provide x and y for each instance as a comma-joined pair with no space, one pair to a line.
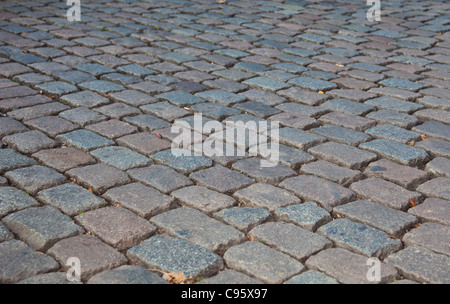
307,215
243,218
182,160
84,140
311,277
120,157
29,142
10,160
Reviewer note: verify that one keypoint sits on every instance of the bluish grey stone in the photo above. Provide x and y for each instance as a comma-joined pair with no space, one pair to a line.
221,179
307,215
402,84
164,110
436,147
85,99
311,277
330,171
272,175
51,278
232,53
341,134
177,58
214,111
120,78
147,122
434,129
82,116
290,67
313,84
182,160
395,118
136,70
360,238
221,97
62,196
397,152
243,218
347,106
101,86
391,103
250,67
411,60
313,37
367,67
174,255
299,138
57,88
84,140
41,227
94,69
180,98
32,78
127,274
320,74
233,74
5,234
266,83
120,157
12,199
256,108
394,133
74,77
10,160
18,262
297,108
229,276
391,221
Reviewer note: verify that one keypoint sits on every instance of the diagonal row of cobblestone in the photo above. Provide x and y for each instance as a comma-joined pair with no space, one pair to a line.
88,169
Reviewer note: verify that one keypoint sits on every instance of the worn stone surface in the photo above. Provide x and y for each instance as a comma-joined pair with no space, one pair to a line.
10,160
127,275
311,277
203,198
432,210
29,142
63,159
307,215
221,179
429,235
437,187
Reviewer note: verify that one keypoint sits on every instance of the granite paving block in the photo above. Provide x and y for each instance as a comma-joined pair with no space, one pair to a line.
331,194
194,226
347,121
440,166
272,175
348,267
174,255
94,255
389,220
11,69
229,276
10,126
5,234
391,103
120,157
311,277
392,196
437,187
243,218
395,118
41,227
112,128
85,99
53,278
301,109
313,84
101,86
394,133
347,106
404,176
165,110
63,159
267,196
332,172
249,256
94,69
432,210
144,143
37,111
84,140
434,129
360,238
397,152
299,138
221,179
12,199
290,239
221,97
117,227
265,83
431,236
144,201
132,97
433,115
10,160
307,215
16,91
162,178
182,160
203,199
51,125
421,264
35,178
57,88
341,134
264,97
146,122
180,98
435,147
127,274
18,262
118,110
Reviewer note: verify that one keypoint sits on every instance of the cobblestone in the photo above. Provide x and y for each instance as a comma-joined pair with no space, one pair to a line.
432,210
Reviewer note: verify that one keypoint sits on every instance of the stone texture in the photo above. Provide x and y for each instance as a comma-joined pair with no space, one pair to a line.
10,160
182,160
174,255
429,235
397,152
332,172
63,159
127,275
360,238
344,155
229,276
311,277
432,210
440,166
29,142
221,179
348,267
249,256
307,215
120,157
203,199
84,140
144,143
437,187
10,126
273,175
243,218
192,225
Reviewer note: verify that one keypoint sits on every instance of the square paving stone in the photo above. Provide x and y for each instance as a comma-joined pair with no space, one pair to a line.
404,176
290,239
229,276
214,111
32,78
164,110
392,195
221,97
267,196
57,88
5,234
53,278
18,262
265,83
118,227
360,238
341,134
99,177
243,218
29,142
297,94
311,277
10,126
393,133
41,227
174,255
85,99
307,215
344,155
298,108
289,156
437,187
37,111
430,235
391,103
112,128
434,129
440,166
35,178
294,120
298,138
16,91
144,143
395,118
127,274
347,106
74,77
436,147
331,194
147,122
84,140
203,199
389,220
94,69
163,178
120,157
421,264
180,98
257,108
272,175
10,160
181,160
149,87
61,197
132,97
63,159
144,201
432,210
51,125
117,110
101,86
221,179
12,199
347,121
249,256
348,267
11,69
313,84
194,226
330,171
95,256
397,152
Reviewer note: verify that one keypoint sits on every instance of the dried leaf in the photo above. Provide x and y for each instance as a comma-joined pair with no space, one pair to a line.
321,92
411,143
423,136
159,135
221,1
177,278
250,238
90,190
412,202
